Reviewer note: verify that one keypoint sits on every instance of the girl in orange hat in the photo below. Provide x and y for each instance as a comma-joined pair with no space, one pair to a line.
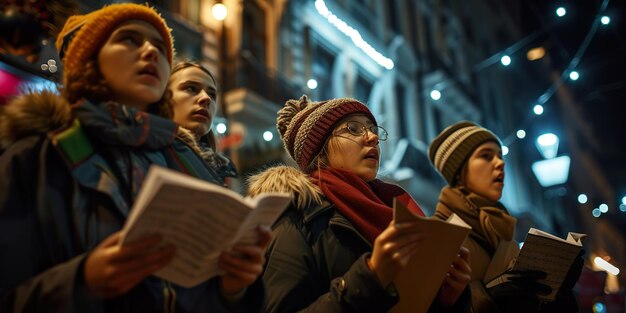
75,164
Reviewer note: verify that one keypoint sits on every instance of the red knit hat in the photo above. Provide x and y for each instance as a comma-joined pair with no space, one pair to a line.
304,126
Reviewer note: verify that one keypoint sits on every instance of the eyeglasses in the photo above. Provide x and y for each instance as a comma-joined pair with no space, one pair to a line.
358,129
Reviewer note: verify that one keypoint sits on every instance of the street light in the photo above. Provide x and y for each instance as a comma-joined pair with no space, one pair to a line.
553,170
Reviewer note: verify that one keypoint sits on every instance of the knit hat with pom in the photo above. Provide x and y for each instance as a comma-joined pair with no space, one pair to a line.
304,126
453,146
83,35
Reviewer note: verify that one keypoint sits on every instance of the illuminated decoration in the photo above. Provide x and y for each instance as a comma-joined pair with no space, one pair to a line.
596,212
573,75
548,145
521,134
554,171
505,60
268,136
219,11
582,198
606,266
622,207
435,94
505,150
354,35
624,200
312,83
603,208
538,109
536,54
220,128
561,11
605,20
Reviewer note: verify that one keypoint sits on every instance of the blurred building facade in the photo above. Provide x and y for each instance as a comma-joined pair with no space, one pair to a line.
267,51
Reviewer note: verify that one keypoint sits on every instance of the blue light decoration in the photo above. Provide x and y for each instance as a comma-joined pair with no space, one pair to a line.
354,34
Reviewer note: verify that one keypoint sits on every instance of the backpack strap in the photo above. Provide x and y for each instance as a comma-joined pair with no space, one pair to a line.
73,143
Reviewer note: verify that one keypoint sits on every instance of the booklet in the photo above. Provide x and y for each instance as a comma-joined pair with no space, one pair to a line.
548,253
200,218
419,282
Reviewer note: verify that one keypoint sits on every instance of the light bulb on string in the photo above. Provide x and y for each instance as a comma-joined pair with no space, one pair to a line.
605,20
560,11
538,109
573,75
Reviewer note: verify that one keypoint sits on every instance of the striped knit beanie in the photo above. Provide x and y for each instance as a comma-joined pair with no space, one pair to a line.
82,36
453,146
304,126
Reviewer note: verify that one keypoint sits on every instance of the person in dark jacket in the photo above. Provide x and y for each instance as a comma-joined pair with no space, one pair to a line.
73,167
469,158
336,249
193,105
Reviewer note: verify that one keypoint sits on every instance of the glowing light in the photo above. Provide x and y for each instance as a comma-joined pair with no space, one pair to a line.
596,212
311,83
624,200
599,307
268,136
353,34
560,11
220,128
505,60
573,75
603,208
219,11
553,171
605,20
538,109
505,150
548,145
622,207
606,266
582,198
521,134
435,94
536,53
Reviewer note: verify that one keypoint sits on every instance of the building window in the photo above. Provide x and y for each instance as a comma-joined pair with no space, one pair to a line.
363,87
254,30
322,62
401,107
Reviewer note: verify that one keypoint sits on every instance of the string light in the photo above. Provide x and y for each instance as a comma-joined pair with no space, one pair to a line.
605,20
354,35
573,75
505,60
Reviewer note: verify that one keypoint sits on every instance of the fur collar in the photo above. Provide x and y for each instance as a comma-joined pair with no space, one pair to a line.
286,179
34,113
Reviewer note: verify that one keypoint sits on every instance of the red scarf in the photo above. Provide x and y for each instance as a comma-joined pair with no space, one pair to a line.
366,205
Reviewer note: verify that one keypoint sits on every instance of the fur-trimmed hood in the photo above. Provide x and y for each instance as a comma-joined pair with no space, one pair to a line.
286,179
33,113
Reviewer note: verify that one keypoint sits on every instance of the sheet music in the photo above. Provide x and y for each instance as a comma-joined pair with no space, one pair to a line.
201,223
554,257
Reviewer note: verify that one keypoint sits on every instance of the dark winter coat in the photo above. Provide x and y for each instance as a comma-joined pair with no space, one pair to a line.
317,260
66,186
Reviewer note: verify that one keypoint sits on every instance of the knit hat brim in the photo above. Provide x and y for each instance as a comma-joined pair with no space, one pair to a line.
451,149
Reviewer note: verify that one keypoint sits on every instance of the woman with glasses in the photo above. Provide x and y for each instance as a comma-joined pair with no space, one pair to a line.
337,249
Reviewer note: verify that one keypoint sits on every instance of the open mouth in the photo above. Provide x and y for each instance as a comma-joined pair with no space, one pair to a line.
372,154
150,70
499,179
